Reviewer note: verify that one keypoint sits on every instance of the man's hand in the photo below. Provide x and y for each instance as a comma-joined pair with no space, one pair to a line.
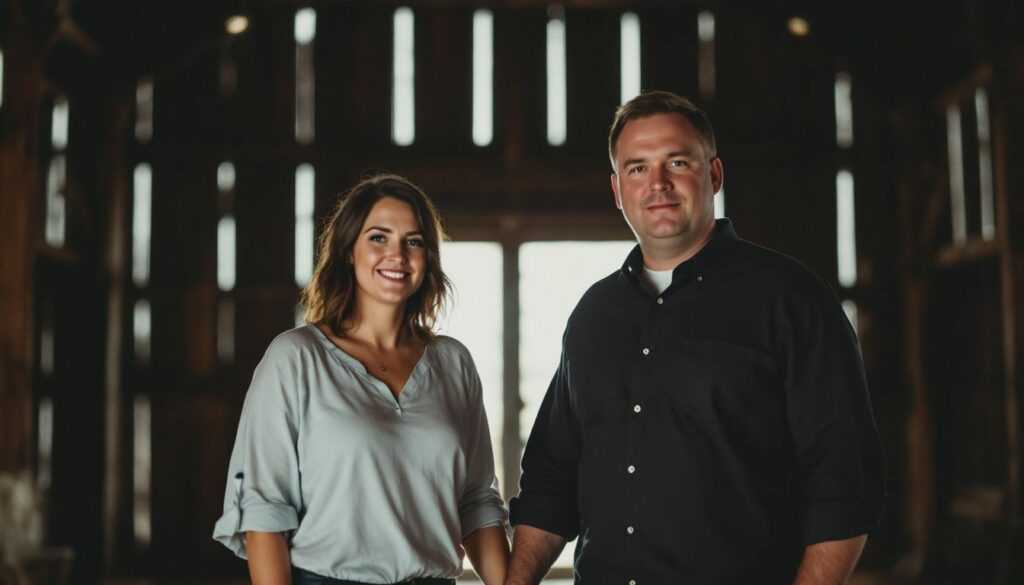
533,552
830,563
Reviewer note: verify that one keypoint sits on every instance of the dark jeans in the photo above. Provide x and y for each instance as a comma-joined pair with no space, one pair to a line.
304,577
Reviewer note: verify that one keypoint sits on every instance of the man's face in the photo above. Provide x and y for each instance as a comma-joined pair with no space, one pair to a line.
664,182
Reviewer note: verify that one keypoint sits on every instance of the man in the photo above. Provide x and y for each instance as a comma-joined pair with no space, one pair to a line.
709,421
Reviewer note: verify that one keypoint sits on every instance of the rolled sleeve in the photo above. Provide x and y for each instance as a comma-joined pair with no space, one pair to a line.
480,504
831,422
547,488
263,490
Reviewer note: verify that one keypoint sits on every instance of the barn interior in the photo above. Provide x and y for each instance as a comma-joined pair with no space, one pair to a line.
165,168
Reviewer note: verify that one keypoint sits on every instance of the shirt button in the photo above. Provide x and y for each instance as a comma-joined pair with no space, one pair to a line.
646,351
700,278
630,530
632,582
631,469
660,300
636,408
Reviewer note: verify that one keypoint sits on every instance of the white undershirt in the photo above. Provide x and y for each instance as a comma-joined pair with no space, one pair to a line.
659,279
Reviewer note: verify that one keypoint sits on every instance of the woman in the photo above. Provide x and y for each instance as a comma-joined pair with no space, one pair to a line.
363,453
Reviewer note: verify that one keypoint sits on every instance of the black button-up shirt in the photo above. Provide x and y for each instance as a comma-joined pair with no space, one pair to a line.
706,434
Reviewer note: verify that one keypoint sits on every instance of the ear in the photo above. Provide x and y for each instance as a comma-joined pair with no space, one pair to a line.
717,174
615,189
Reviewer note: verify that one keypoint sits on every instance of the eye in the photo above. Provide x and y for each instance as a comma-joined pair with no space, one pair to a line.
415,242
678,164
636,170
378,238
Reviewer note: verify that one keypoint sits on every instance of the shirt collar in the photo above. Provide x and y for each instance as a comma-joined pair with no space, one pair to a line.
718,248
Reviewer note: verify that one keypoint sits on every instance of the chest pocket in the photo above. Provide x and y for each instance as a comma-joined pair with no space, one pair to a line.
718,382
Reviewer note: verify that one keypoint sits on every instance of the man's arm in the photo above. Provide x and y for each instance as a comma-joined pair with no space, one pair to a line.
830,562
533,552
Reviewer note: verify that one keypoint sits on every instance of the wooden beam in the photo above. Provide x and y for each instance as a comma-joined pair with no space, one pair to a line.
971,251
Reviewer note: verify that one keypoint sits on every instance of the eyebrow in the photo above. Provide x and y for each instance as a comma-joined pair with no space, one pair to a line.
388,230
673,154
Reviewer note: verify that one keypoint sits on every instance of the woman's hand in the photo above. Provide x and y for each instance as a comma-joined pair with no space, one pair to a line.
269,560
487,549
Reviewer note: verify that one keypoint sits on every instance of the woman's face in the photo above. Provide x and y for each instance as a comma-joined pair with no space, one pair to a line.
390,256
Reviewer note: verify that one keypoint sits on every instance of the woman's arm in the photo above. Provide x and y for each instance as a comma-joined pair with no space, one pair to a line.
269,561
487,549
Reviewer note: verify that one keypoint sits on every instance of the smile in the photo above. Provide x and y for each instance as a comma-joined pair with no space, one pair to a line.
662,206
393,274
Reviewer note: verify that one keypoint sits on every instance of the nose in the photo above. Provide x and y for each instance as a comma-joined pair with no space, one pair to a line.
659,179
399,251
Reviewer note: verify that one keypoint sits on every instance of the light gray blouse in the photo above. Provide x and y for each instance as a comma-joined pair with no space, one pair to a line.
369,488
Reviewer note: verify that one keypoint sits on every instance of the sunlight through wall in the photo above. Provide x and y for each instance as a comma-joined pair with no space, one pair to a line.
483,77
629,58
846,230
305,33
475,318
545,308
403,115
957,188
556,76
305,181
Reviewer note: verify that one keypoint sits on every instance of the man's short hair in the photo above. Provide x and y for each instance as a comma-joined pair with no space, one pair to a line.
661,102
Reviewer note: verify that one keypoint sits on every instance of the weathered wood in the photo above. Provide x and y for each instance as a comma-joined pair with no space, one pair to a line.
115,272
919,488
973,250
1008,125
20,223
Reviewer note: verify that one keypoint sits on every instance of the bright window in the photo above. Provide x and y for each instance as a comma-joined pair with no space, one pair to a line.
305,32
846,229
403,115
226,253
59,126
629,59
706,54
305,180
553,277
556,76
141,475
475,317
957,188
844,110
142,221
483,77
56,216
988,216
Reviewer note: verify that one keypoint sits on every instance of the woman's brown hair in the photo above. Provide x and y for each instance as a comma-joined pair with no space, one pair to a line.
330,296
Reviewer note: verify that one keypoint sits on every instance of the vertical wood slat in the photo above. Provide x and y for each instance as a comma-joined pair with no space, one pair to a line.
20,185
1008,127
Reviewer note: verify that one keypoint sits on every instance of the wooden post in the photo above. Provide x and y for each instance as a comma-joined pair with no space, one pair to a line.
1008,123
19,231
919,493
